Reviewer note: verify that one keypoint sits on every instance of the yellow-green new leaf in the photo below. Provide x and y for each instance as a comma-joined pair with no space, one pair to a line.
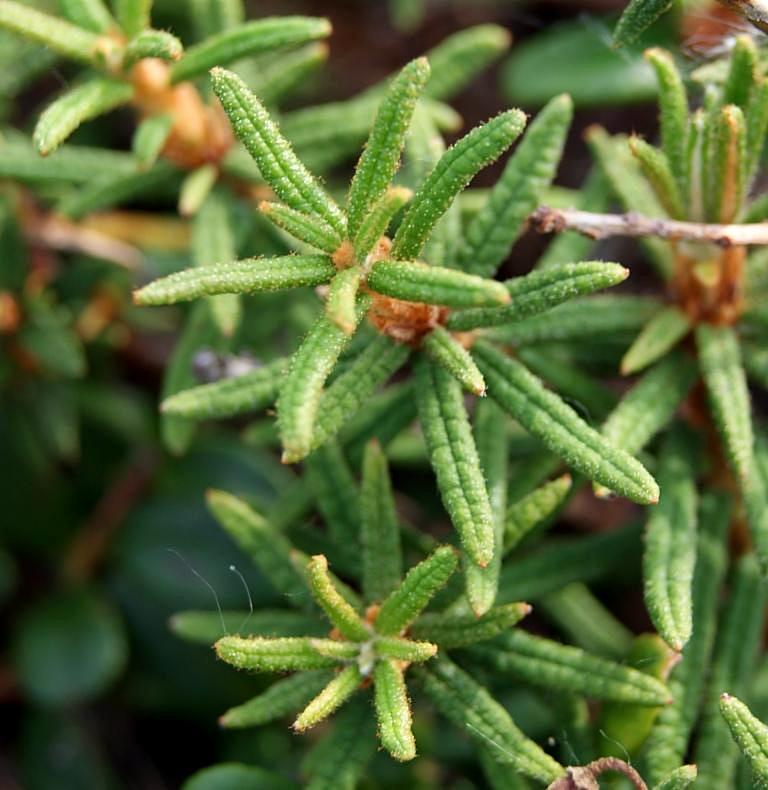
340,305
393,710
259,654
448,352
333,696
336,608
750,734
656,338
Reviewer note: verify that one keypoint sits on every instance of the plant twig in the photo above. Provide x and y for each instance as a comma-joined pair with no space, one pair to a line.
600,226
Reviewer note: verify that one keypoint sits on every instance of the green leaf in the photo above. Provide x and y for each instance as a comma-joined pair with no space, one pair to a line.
541,290
333,696
198,332
133,15
152,44
195,188
750,734
726,384
393,711
450,631
474,711
559,562
559,428
636,17
277,162
213,241
235,776
381,156
80,104
299,400
213,16
655,167
757,123
456,168
113,188
742,73
458,59
725,165
453,455
376,222
280,699
340,305
256,537
393,647
343,617
673,114
441,346
91,15
738,640
379,528
667,743
338,760
529,171
419,282
561,667
527,513
596,317
258,654
62,37
380,359
656,338
679,779
287,72
68,649
574,57
651,403
421,583
586,621
630,185
670,544
244,276
150,138
305,228
250,38
205,628
481,584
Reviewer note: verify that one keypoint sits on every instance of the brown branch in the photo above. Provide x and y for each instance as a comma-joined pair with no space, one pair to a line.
585,777
601,226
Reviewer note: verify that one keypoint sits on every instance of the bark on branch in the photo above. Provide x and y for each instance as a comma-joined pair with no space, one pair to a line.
600,226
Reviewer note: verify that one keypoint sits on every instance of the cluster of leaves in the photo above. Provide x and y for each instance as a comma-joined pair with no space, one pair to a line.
413,354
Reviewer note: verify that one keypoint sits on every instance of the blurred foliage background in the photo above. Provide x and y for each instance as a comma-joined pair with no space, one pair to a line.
103,533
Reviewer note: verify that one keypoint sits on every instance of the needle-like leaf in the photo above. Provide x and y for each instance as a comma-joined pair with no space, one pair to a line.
228,397
251,38
80,104
636,17
340,305
518,191
474,711
150,137
656,338
726,384
379,529
530,511
552,665
453,172
557,425
418,282
750,734
421,583
277,162
336,608
152,44
243,276
450,631
304,227
376,222
300,396
258,654
454,458
539,291
133,15
447,351
393,711
333,696
92,15
381,155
